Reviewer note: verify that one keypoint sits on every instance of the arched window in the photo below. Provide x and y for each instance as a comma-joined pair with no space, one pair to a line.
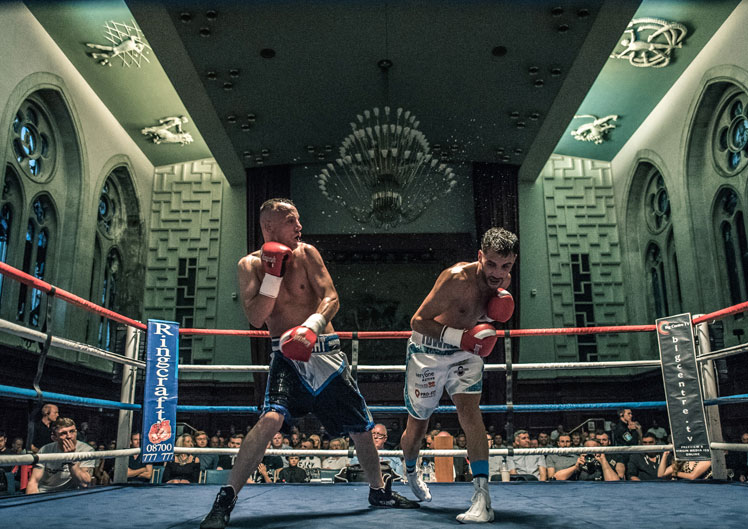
731,237
108,298
10,205
33,142
40,234
660,260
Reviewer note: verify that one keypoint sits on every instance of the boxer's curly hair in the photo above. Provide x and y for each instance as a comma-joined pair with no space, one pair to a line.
501,241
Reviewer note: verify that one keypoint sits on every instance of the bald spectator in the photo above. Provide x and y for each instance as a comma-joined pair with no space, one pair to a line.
43,428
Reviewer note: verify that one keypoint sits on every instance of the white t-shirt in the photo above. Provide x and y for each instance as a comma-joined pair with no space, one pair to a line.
56,473
310,462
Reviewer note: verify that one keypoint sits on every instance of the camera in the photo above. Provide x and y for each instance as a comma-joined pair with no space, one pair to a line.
590,464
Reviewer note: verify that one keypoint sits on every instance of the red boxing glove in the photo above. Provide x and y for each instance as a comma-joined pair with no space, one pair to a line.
298,342
479,340
274,257
501,306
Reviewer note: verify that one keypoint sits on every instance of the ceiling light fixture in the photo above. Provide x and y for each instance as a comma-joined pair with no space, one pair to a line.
386,174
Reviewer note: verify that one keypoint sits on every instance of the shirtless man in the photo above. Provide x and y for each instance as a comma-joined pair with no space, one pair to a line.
445,351
286,286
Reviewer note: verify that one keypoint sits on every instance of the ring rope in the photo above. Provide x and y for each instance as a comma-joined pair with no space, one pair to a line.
10,391
64,343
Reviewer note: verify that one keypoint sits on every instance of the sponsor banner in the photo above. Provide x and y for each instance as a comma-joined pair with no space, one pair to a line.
160,400
680,373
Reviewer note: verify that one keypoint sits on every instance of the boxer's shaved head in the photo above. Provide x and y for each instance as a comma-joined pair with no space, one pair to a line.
501,241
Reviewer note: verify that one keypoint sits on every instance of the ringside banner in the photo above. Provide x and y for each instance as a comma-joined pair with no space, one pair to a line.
160,401
680,373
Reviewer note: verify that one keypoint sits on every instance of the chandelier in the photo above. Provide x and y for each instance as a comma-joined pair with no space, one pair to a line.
386,174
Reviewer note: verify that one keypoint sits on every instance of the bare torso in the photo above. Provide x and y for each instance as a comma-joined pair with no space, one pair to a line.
298,298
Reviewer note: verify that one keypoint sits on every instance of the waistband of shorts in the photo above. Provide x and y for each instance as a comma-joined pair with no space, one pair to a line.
432,345
325,344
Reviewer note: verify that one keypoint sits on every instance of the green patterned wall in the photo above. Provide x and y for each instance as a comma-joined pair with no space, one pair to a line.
185,225
581,220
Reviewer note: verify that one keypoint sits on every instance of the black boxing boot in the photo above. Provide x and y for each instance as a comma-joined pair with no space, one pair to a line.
384,497
219,514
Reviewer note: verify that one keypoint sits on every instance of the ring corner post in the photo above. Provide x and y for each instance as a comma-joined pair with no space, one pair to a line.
127,395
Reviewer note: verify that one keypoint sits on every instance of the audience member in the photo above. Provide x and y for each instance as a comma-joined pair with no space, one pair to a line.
43,428
226,462
556,433
292,473
207,461
660,434
316,441
683,469
215,442
627,432
576,439
589,467
185,468
737,462
268,467
336,462
643,467
100,474
558,462
18,446
498,441
534,465
308,462
4,451
544,440
461,464
137,471
54,476
379,434
617,462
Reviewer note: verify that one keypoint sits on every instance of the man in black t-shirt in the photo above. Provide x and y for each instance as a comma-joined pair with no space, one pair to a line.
643,467
226,462
627,432
43,428
292,473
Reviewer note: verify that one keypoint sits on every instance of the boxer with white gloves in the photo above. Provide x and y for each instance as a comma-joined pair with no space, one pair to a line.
446,351
286,286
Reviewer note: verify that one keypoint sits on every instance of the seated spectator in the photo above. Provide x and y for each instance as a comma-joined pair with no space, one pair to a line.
215,442
660,434
207,461
18,448
137,471
265,472
286,444
737,462
617,461
683,469
316,442
544,440
534,465
4,451
643,467
588,467
100,475
556,462
379,434
225,462
185,468
461,465
295,440
498,441
43,428
56,476
556,433
336,462
576,439
308,462
292,473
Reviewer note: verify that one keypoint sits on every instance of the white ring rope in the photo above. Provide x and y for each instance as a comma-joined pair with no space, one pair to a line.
64,343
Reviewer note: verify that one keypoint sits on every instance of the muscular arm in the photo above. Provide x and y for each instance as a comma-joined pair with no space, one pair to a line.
565,473
81,475
436,303
321,283
257,308
33,485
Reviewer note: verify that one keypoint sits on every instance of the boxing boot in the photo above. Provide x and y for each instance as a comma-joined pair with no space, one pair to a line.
480,511
418,486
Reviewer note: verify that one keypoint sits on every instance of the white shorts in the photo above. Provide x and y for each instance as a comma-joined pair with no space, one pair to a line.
431,367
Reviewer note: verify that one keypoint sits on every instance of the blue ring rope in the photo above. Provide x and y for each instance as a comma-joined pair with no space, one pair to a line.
10,391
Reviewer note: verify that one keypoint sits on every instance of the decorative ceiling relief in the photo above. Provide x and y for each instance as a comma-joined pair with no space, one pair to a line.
596,130
127,44
169,130
649,42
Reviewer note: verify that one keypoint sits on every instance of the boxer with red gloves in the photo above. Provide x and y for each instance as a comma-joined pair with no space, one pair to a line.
286,286
445,352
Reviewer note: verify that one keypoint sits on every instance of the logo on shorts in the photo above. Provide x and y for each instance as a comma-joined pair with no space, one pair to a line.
418,394
460,371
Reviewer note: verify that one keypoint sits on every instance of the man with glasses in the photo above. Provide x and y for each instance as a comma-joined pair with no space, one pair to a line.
54,476
643,467
379,433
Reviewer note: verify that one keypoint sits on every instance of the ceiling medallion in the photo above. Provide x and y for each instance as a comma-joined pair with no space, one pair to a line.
127,44
649,42
163,133
596,130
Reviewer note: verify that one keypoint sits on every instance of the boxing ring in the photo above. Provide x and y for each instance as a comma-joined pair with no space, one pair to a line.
526,504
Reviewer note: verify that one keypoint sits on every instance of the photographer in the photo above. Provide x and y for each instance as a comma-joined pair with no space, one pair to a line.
589,467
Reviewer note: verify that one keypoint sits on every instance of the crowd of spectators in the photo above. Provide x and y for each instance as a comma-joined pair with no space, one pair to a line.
54,434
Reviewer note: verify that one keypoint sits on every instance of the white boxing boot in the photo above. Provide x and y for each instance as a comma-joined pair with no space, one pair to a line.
480,511
418,486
